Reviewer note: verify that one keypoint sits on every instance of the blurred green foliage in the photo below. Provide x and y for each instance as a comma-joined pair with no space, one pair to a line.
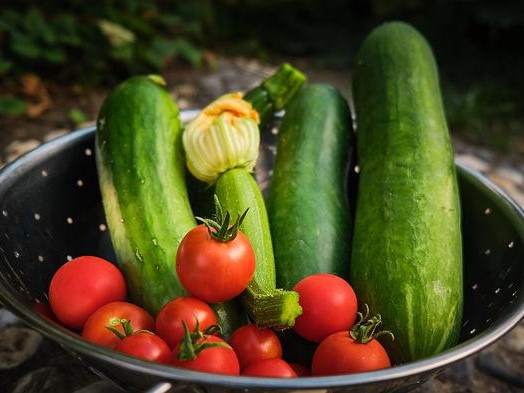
99,41
478,43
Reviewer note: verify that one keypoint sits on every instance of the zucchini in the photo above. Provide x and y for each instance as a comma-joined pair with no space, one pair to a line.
307,203
237,191
269,97
141,170
222,145
406,261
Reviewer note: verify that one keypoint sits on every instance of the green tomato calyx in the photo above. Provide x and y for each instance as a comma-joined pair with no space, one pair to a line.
219,228
366,329
195,342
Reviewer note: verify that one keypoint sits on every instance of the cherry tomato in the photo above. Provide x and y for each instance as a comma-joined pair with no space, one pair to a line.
300,369
329,305
341,354
111,315
168,322
218,360
44,310
81,286
252,344
212,270
274,368
145,345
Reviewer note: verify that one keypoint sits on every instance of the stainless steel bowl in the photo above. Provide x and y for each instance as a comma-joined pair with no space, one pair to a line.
50,210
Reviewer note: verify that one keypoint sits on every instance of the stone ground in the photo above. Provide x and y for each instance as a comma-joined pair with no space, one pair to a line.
32,363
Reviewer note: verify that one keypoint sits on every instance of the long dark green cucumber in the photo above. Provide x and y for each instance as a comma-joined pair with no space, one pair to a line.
275,92
237,191
407,254
141,171
307,203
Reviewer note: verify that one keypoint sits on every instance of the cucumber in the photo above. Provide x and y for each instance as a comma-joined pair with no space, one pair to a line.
307,203
406,261
268,306
141,170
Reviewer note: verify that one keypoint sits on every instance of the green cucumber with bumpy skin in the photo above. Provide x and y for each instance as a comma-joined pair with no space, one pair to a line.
406,262
141,171
307,204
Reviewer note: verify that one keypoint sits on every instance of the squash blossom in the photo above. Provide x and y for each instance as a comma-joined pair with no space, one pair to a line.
223,136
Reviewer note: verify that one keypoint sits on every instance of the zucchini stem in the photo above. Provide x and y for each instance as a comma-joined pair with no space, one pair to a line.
277,309
274,93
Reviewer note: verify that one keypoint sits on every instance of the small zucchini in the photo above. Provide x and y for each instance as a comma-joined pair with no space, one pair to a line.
221,146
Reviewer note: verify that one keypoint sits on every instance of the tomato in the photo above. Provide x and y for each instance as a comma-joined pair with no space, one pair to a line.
274,368
168,322
328,305
252,344
145,345
353,351
112,315
44,310
341,354
218,360
213,270
300,369
81,286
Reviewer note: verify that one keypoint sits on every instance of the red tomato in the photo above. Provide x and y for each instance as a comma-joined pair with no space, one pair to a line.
145,345
274,368
44,310
252,344
212,270
341,354
218,360
111,315
81,286
168,322
329,305
300,369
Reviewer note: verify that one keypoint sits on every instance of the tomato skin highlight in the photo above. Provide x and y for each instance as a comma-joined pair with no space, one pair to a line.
340,354
252,344
212,270
272,368
110,315
145,345
329,305
218,360
168,323
82,276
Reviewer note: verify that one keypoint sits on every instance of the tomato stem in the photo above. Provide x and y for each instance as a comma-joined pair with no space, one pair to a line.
365,329
195,342
219,228
127,327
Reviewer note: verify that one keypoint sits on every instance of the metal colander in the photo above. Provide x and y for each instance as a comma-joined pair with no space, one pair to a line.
51,211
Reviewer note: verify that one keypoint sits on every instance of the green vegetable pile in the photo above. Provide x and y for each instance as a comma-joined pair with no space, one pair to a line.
395,237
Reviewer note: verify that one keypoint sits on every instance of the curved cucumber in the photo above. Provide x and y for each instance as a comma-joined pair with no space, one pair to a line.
141,169
307,203
407,254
